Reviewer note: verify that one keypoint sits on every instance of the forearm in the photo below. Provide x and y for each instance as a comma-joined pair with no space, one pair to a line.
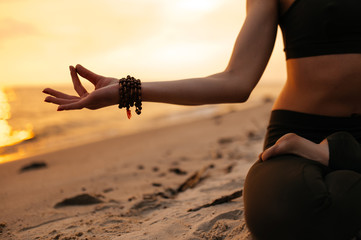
218,88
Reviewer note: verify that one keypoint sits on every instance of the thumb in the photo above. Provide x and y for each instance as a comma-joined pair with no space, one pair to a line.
87,74
269,152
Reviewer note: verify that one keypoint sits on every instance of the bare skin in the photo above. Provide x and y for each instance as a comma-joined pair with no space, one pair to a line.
293,144
326,85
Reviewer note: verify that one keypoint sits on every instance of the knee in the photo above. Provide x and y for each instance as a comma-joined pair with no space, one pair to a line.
282,195
299,221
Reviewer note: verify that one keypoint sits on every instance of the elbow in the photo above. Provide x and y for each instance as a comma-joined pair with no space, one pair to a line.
237,93
243,94
233,86
244,98
240,87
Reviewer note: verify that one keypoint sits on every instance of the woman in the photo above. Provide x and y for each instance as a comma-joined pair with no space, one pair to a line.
307,184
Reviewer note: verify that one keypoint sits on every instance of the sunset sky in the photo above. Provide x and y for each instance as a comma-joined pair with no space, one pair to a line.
151,39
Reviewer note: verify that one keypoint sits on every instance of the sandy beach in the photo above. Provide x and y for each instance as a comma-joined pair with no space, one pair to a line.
176,182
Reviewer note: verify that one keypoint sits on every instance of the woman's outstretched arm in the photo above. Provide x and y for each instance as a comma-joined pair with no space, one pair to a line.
250,56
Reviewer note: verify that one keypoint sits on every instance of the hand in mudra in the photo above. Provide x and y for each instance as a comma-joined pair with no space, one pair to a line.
293,144
105,93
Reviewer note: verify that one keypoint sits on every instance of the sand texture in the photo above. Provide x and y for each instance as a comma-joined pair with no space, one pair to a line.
176,182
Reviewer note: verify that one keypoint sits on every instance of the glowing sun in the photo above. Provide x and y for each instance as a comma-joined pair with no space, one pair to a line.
198,5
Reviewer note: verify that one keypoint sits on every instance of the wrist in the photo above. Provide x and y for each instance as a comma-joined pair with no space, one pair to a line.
130,95
115,98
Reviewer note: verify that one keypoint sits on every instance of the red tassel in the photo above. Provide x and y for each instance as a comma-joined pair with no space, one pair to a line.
129,113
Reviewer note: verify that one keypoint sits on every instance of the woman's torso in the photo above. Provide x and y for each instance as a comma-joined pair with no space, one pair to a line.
325,85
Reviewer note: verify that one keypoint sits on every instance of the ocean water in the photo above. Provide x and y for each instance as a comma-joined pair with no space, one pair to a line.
52,130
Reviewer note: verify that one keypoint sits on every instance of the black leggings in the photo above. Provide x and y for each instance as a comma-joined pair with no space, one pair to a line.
290,197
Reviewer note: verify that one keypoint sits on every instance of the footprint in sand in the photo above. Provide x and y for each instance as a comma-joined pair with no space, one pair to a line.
220,226
82,199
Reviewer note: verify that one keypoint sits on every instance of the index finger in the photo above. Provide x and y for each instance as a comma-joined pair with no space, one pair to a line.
58,94
79,88
87,74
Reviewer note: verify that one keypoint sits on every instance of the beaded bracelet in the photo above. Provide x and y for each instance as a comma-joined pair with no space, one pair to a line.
130,95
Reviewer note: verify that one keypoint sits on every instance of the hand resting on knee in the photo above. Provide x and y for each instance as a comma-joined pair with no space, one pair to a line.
291,143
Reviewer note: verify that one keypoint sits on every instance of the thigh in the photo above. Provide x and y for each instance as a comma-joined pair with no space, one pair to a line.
289,197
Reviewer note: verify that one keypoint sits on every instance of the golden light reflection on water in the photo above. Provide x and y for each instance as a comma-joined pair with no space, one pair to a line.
8,136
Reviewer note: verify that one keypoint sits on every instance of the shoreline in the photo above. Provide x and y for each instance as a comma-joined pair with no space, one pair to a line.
54,131
132,177
181,118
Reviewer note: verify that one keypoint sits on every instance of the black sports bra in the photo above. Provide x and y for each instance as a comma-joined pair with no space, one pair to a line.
321,27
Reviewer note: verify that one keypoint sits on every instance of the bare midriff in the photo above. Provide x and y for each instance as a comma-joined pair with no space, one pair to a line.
325,85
